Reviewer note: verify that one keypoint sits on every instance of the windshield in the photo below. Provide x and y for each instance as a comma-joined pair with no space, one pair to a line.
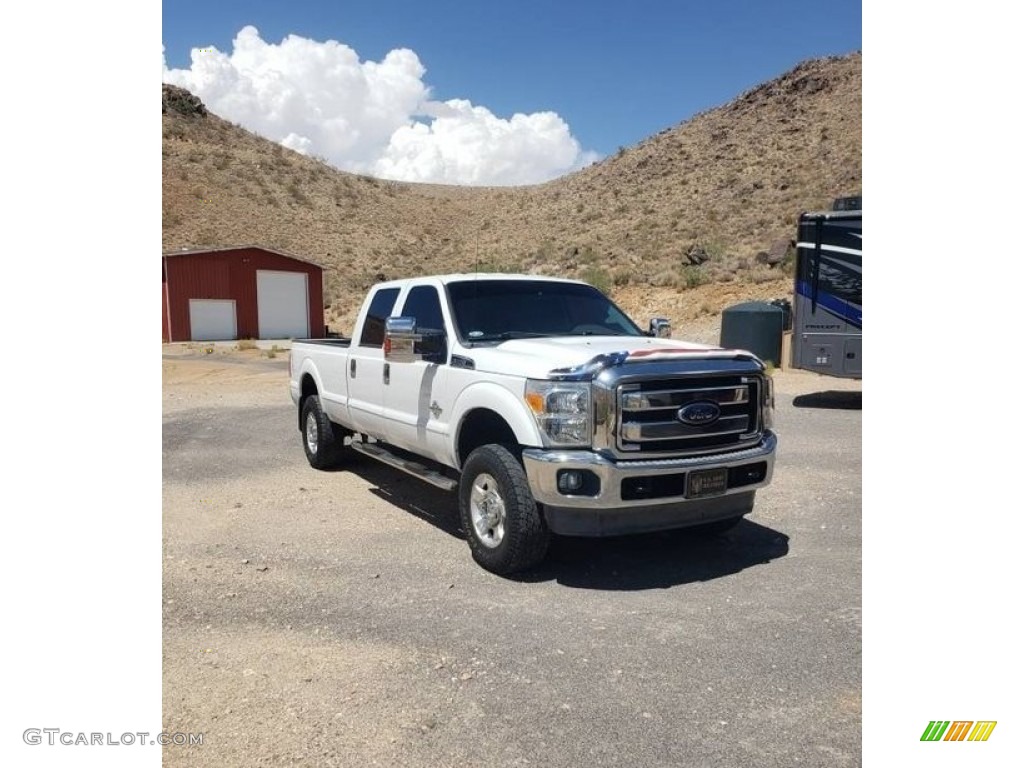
496,310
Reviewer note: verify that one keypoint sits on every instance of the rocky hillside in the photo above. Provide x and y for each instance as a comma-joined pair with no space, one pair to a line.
686,222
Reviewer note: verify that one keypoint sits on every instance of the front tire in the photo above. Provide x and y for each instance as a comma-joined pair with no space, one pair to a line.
322,440
504,527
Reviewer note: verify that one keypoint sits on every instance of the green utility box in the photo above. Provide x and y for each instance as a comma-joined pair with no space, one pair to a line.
755,326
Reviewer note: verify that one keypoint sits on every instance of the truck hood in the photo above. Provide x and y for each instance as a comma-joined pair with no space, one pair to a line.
535,358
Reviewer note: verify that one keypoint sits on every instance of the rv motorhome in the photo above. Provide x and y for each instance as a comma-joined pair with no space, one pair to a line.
827,291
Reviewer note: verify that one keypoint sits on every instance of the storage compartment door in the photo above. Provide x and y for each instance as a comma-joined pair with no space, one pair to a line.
851,357
212,319
283,304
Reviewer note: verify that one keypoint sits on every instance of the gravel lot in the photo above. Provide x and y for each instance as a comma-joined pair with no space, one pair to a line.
337,619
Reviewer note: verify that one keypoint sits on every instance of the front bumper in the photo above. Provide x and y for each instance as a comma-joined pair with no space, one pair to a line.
605,511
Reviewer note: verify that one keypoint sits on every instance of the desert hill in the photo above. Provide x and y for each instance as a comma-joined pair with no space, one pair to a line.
721,189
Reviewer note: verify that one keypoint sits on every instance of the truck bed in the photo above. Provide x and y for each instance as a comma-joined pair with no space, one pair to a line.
344,343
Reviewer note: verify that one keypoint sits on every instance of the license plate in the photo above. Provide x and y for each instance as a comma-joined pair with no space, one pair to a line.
706,482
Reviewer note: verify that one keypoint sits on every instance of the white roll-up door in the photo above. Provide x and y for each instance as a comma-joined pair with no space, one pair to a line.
283,304
212,319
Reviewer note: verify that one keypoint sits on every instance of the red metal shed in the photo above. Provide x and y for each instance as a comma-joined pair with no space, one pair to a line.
242,292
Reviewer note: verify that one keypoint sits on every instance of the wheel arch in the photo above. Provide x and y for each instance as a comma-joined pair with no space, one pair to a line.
490,413
308,385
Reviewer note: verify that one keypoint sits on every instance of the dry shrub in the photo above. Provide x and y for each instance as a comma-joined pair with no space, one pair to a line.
763,276
667,278
694,276
621,276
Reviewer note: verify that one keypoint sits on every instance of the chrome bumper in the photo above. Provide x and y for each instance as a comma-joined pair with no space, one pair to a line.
611,514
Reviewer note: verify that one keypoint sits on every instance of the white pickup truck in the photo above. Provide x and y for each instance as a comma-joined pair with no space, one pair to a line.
544,406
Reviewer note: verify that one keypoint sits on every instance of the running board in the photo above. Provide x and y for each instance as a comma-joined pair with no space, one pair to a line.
374,451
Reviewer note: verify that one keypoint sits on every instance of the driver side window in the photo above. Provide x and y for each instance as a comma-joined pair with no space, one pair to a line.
424,304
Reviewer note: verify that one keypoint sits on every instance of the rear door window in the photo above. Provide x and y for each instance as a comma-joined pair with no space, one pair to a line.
380,309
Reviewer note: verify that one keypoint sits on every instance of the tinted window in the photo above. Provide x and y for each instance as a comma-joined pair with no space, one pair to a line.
493,310
380,309
423,304
805,265
835,270
839,279
805,254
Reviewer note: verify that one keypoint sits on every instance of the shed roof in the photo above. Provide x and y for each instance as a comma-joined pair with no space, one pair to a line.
219,249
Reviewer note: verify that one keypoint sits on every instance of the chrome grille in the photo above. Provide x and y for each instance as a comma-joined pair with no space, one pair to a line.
649,422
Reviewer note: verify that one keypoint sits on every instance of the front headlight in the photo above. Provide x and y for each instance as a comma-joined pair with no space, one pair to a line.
562,410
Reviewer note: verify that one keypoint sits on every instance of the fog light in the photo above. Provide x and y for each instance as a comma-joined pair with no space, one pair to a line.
578,482
570,480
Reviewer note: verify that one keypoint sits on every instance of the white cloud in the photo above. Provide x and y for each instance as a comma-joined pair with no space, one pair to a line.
466,144
318,98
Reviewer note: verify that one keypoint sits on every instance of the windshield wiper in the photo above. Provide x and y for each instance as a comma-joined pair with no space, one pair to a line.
607,332
507,335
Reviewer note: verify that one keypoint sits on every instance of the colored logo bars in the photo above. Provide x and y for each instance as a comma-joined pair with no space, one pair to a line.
958,730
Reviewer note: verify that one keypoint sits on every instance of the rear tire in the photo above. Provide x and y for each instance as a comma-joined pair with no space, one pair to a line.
322,439
504,527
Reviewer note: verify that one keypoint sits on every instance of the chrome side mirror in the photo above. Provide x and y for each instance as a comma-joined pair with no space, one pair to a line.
660,327
405,343
400,339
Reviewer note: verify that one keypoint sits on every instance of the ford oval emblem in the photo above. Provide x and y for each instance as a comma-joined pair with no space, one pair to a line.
699,414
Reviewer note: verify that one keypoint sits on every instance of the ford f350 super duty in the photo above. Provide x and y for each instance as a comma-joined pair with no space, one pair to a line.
543,406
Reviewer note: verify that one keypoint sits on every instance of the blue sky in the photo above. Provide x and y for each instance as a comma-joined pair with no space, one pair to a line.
614,72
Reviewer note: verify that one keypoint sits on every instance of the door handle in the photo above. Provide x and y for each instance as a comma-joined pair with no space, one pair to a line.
387,373
352,367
